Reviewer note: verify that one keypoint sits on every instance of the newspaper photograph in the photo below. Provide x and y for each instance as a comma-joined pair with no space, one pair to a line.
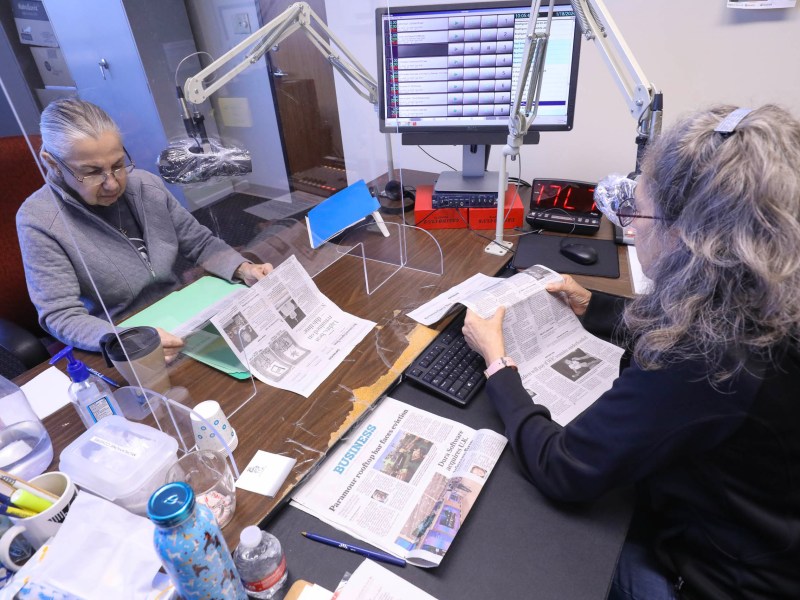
404,481
286,332
563,367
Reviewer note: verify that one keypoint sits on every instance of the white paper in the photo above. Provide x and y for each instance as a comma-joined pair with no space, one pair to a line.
266,473
289,334
761,4
47,392
405,481
371,581
563,367
100,550
315,592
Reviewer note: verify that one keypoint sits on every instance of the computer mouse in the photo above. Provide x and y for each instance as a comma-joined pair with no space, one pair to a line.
579,253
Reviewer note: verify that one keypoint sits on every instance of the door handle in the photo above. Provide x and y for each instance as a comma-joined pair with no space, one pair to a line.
103,66
279,73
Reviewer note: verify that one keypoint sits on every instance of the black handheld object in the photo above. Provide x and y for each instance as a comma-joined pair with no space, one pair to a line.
579,253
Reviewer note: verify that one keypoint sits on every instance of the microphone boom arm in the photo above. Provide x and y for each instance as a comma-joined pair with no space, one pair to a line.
644,100
298,16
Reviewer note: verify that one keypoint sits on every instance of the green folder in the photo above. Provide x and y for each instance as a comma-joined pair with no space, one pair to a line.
207,345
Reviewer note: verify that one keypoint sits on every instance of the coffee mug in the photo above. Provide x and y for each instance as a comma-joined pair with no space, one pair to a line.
40,527
14,549
145,357
209,438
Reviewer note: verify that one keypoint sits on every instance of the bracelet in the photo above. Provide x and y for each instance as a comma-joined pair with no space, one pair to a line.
500,363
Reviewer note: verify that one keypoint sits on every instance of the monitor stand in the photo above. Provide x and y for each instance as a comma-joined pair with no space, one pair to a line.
473,179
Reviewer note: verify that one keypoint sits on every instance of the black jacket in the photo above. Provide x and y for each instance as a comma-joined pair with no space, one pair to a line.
718,469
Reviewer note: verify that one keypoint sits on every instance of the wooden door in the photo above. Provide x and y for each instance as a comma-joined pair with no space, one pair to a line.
308,114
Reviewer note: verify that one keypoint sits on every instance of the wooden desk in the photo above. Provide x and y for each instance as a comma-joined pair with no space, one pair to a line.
306,428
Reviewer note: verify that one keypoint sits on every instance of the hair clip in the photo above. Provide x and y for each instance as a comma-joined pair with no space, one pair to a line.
731,122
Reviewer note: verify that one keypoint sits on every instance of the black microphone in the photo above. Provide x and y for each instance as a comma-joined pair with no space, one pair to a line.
199,158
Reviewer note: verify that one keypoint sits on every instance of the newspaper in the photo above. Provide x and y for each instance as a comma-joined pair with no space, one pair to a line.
563,366
286,332
404,482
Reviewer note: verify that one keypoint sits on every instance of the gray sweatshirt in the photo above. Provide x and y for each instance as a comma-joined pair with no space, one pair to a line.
63,243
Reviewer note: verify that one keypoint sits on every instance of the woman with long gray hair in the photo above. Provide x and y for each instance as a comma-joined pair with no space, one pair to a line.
704,417
101,239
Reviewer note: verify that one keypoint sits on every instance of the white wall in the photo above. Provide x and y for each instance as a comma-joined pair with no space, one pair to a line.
698,52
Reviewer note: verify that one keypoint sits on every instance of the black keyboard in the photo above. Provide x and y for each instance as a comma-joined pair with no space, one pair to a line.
448,367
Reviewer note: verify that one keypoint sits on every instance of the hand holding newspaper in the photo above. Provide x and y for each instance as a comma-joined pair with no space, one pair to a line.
404,482
563,367
286,332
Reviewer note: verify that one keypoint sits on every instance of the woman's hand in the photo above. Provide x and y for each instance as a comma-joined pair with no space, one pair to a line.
250,273
576,295
485,336
172,344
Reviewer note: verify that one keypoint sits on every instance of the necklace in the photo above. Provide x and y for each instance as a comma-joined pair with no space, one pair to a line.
122,230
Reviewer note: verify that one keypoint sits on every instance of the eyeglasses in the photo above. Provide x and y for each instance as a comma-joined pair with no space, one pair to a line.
96,179
626,212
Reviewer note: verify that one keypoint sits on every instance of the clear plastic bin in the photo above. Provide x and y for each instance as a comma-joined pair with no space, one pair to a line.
121,461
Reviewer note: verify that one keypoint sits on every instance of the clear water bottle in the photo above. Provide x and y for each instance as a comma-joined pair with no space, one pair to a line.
260,561
25,447
191,546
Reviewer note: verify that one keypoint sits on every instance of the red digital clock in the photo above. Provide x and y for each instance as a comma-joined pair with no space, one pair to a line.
563,205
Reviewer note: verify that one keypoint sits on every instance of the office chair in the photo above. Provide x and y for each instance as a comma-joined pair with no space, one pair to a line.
20,350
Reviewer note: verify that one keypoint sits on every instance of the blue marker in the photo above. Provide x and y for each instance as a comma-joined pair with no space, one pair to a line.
103,377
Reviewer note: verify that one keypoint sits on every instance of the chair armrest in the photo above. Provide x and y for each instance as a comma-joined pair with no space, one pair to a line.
20,342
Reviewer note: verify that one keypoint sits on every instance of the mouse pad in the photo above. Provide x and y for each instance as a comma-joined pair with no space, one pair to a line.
535,249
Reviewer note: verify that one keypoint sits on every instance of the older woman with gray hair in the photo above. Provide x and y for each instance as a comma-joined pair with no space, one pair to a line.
100,240
705,417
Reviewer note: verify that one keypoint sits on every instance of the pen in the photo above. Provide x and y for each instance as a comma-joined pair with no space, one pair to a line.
388,558
103,377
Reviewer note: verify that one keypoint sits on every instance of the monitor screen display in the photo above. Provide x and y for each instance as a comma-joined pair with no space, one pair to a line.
455,68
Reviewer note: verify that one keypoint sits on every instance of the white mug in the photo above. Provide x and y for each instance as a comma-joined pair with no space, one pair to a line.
209,433
41,527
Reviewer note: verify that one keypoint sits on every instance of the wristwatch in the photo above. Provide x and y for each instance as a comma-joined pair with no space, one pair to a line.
500,363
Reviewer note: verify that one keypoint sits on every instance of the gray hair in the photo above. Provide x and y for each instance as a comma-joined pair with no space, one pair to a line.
67,120
727,287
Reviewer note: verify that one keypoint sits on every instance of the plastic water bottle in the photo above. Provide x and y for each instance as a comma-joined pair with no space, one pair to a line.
25,447
191,546
261,563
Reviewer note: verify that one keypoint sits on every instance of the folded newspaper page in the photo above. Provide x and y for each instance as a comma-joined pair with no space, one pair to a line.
286,332
371,581
563,366
404,481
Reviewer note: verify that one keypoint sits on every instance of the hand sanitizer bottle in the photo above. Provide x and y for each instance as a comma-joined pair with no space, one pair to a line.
91,395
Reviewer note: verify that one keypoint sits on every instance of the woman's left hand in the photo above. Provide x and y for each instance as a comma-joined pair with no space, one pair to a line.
485,336
250,273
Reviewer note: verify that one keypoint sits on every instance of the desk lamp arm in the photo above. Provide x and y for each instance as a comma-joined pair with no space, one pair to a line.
644,101
298,16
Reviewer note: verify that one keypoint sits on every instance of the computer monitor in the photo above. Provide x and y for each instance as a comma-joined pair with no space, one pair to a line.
448,76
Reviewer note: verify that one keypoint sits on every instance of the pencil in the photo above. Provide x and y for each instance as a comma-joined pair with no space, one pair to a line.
387,558
21,484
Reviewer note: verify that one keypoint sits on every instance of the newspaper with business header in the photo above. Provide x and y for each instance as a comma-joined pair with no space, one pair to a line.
563,367
404,481
286,332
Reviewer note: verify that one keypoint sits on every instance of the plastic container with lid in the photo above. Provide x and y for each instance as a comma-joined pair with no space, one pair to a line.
25,446
120,460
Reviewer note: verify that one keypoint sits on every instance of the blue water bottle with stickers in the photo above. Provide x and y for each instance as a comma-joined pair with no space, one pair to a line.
191,546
